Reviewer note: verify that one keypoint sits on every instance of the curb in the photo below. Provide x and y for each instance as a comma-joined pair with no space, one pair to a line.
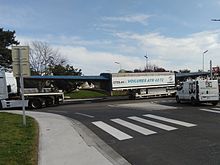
94,100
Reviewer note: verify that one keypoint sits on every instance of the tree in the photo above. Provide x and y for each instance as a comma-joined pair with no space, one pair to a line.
7,39
151,68
65,70
43,57
184,71
66,85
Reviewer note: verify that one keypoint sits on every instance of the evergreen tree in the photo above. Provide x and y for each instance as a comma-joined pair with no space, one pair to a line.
7,39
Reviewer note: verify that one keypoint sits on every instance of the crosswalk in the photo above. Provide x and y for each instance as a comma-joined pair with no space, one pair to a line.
213,110
146,120
113,131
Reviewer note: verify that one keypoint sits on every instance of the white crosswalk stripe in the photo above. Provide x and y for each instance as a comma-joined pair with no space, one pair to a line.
134,127
152,123
209,110
118,134
216,108
182,123
112,131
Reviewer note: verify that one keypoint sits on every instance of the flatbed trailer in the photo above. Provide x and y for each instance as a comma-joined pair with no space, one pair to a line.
142,84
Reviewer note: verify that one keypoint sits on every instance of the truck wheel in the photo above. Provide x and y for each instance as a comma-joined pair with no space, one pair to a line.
35,104
132,94
177,99
132,97
49,101
193,101
57,101
215,103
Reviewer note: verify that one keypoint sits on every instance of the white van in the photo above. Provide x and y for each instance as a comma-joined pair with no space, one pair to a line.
198,91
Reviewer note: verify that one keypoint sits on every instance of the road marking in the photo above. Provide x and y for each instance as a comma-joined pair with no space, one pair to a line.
133,127
216,108
152,123
182,123
112,131
209,110
83,114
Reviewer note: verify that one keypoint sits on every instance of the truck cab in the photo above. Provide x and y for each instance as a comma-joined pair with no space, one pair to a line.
3,87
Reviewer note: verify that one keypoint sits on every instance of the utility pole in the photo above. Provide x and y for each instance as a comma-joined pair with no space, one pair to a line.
203,60
211,76
118,64
146,61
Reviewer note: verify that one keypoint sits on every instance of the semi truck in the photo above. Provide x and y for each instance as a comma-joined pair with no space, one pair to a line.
198,91
34,99
140,85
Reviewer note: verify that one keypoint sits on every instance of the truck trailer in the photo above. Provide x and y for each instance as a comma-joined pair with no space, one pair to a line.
198,91
34,99
142,84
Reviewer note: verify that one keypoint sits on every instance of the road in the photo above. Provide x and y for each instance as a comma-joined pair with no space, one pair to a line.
155,131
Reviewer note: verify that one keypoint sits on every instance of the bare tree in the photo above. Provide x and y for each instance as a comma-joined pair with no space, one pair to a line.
43,56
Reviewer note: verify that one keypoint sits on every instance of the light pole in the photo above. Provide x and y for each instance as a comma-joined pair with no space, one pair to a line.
118,64
203,61
146,62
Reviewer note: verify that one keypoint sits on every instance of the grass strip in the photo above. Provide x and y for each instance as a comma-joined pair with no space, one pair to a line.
82,94
18,144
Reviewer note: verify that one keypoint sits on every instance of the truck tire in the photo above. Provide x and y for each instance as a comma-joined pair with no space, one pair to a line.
178,99
35,104
56,100
214,103
193,101
49,102
132,94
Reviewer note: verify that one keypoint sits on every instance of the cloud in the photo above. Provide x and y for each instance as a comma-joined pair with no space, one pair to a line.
178,53
218,2
94,62
129,49
139,18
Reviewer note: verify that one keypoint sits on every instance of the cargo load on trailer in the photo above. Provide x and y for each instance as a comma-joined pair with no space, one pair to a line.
142,84
198,91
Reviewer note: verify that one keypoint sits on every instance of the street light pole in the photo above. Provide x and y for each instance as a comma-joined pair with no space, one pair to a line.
146,67
203,61
118,64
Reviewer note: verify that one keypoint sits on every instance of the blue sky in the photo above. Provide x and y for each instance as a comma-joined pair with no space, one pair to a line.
94,34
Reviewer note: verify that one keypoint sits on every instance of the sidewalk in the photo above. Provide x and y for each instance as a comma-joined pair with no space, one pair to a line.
60,143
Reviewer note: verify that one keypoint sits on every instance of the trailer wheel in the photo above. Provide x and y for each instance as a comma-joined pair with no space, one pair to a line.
49,102
193,101
132,94
35,104
178,99
214,103
57,102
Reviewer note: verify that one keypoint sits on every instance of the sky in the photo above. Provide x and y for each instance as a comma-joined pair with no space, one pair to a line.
105,35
